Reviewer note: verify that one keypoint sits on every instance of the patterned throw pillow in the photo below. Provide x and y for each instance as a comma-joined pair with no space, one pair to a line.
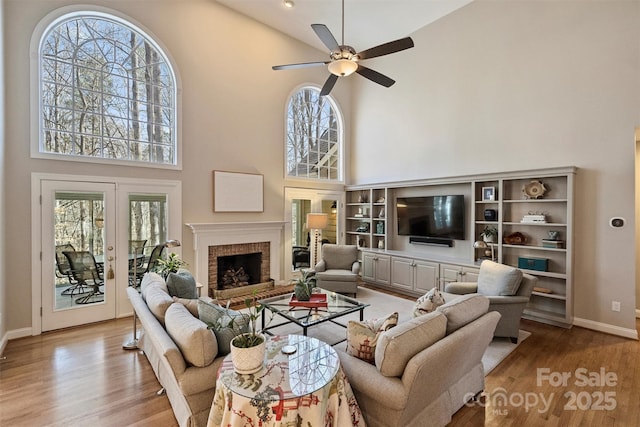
219,319
362,337
428,302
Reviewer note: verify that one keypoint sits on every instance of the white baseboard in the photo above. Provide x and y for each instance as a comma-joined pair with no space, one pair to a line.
19,333
3,344
606,328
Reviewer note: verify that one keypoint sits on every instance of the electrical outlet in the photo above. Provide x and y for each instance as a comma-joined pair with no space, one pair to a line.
615,305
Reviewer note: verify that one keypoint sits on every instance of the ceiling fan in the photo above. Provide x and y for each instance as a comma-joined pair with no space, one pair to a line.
344,60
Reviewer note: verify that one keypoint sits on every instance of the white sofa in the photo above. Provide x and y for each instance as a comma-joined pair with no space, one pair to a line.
190,388
426,368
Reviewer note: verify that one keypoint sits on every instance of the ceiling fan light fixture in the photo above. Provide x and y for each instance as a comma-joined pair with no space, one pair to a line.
342,67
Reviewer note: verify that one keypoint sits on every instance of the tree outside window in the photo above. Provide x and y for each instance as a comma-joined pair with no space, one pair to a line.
107,92
314,136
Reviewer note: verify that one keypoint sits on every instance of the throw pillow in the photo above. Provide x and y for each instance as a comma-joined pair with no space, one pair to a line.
158,302
191,304
182,285
150,280
195,341
498,279
362,337
219,320
428,302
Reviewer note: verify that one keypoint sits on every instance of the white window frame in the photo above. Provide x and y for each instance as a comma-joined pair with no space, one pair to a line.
65,13
341,138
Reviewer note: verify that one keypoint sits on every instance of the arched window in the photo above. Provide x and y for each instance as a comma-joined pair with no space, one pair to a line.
106,91
314,136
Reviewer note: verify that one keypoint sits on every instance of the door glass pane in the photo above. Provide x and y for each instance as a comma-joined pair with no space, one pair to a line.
147,228
300,236
329,234
79,249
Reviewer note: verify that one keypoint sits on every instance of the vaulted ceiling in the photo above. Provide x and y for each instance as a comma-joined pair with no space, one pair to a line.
367,23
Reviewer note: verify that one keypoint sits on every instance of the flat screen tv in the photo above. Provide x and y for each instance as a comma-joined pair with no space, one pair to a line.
431,216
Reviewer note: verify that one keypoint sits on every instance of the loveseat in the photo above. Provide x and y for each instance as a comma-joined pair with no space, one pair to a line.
425,368
180,349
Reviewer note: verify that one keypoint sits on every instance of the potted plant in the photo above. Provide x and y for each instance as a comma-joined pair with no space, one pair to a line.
304,285
489,234
248,343
170,265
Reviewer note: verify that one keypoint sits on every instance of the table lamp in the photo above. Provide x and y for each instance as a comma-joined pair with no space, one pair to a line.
133,344
316,222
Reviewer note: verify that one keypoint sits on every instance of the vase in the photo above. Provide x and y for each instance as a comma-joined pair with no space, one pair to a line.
302,291
250,359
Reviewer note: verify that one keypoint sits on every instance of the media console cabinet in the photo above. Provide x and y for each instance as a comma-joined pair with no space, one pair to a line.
532,212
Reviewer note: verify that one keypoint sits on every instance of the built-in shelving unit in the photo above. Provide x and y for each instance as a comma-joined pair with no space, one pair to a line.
546,245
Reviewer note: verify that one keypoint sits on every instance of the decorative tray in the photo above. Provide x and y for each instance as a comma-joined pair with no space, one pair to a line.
316,300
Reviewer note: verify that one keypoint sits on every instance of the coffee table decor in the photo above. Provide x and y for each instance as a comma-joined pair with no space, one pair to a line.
315,301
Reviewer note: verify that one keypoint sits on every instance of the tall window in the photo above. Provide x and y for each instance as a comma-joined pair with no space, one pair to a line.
106,91
314,136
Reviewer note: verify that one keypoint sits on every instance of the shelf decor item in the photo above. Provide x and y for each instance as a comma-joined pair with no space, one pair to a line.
534,189
314,301
488,193
489,234
516,238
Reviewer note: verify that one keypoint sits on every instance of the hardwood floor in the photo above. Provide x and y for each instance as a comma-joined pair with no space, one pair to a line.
83,377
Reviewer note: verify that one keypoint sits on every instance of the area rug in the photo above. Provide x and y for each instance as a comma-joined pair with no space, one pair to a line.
381,304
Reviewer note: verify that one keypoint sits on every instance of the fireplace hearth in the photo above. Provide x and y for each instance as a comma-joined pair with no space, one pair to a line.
239,270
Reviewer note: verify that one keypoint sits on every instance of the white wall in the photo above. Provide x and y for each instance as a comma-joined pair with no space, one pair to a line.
233,107
500,86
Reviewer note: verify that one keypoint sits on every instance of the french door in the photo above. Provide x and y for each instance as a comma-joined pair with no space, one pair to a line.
112,227
301,248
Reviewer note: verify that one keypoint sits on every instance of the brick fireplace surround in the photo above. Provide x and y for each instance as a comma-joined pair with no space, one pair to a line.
233,238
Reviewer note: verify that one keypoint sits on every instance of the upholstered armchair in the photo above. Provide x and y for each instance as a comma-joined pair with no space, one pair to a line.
508,290
338,269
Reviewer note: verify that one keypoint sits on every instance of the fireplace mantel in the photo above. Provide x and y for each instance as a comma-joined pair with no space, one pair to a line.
229,233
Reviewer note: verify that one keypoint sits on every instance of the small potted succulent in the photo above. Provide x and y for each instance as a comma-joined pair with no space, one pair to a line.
304,285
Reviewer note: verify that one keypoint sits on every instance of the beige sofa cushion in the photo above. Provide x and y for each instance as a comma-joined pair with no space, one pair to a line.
398,345
158,301
191,304
150,280
196,342
463,310
498,279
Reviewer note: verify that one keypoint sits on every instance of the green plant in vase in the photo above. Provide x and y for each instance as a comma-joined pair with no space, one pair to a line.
170,265
304,285
489,234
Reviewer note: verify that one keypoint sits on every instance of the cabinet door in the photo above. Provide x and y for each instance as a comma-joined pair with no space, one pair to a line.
470,274
368,267
402,272
448,274
426,275
383,269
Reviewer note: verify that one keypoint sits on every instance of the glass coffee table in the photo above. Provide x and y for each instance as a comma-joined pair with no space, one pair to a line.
337,306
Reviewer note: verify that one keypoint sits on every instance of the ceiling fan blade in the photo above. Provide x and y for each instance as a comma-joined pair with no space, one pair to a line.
387,48
301,65
375,76
328,85
325,35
